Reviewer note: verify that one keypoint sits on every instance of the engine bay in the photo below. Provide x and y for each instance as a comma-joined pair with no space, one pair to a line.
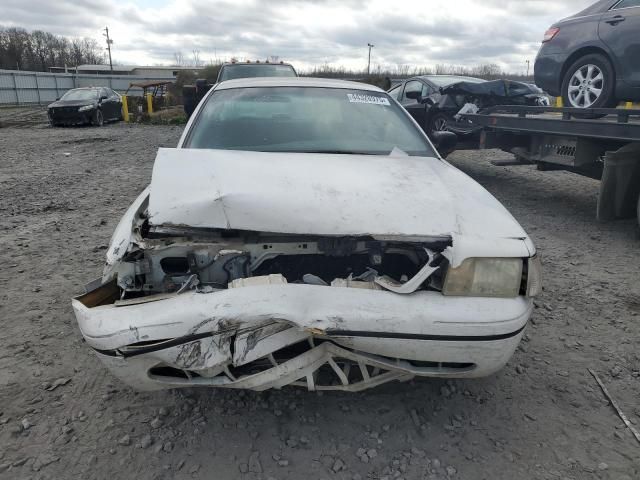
166,260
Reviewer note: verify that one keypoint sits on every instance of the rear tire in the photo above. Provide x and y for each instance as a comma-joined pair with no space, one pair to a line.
589,83
98,119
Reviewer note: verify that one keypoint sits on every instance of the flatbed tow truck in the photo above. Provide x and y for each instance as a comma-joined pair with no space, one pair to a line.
599,143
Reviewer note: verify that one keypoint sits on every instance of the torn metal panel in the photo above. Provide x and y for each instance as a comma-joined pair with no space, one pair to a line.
413,283
257,343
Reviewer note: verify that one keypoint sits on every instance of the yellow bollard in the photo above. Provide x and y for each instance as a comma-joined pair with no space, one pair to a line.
149,103
125,109
559,102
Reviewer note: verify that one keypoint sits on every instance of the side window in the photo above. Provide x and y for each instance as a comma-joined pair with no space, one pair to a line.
395,92
412,86
627,4
427,90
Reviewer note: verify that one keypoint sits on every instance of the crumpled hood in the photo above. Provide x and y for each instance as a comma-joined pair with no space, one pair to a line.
321,194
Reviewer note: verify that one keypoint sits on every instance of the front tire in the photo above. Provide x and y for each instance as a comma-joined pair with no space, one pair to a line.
439,123
589,83
98,119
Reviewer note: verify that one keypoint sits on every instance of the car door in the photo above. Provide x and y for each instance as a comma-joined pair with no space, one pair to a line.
414,106
619,29
105,103
117,104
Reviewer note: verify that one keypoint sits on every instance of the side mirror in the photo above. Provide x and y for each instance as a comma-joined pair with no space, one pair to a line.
415,95
427,101
445,142
103,97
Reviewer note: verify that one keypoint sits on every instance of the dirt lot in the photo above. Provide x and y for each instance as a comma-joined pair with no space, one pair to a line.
543,417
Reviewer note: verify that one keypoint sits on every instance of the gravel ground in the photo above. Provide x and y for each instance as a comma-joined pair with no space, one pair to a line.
62,416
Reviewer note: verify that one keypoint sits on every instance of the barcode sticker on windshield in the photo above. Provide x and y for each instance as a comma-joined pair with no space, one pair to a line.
360,98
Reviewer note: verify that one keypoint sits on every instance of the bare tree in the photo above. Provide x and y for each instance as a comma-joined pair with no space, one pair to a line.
40,50
178,59
196,58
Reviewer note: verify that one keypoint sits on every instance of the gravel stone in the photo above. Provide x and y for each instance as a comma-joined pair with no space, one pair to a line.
146,441
338,465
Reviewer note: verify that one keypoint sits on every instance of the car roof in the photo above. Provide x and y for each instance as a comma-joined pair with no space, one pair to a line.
427,77
295,82
226,64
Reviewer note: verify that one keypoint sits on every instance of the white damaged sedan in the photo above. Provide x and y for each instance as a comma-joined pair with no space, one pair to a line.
305,232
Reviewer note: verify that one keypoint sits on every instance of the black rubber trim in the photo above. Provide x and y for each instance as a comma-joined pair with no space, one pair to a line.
418,336
160,346
331,332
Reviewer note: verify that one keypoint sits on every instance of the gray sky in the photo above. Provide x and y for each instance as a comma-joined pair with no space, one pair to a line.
306,32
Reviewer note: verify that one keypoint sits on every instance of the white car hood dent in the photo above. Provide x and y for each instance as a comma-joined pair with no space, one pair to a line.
323,194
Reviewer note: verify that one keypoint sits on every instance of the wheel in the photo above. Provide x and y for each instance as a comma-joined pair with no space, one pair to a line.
51,122
98,119
589,83
439,123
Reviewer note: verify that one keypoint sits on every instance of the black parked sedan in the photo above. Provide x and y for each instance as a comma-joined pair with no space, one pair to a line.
592,59
91,105
434,101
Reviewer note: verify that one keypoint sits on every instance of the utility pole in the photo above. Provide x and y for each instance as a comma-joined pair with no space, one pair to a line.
109,43
370,45
527,67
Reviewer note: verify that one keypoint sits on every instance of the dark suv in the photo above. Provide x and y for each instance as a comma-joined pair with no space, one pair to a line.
192,94
232,70
592,59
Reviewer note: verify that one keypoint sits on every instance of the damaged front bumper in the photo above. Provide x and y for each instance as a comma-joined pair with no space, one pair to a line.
323,338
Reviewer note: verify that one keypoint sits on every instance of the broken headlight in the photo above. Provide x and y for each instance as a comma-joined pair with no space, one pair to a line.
485,277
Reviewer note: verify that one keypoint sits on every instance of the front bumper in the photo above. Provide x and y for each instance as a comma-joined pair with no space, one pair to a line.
262,337
61,116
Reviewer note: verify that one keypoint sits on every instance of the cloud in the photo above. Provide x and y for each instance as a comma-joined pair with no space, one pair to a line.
306,32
